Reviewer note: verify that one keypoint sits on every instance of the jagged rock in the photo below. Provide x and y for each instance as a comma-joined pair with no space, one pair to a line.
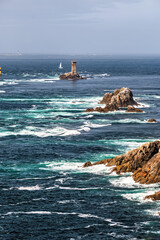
135,159
120,98
154,197
133,109
87,164
150,172
143,162
152,120
89,110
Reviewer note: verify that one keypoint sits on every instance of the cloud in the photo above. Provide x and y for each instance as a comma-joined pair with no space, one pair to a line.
80,26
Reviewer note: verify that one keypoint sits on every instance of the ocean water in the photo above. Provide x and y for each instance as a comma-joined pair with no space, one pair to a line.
46,137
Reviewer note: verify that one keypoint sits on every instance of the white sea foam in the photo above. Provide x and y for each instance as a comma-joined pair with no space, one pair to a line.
128,144
128,120
42,132
93,125
64,166
143,105
81,215
29,213
126,181
46,79
88,116
102,75
66,201
47,132
138,196
78,189
153,212
30,188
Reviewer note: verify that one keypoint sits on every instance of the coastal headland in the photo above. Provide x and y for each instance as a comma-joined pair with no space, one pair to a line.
143,162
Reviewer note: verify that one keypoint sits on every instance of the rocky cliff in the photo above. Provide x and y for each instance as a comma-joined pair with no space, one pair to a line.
143,162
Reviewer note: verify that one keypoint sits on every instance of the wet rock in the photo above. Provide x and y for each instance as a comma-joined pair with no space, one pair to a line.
154,197
152,120
70,75
89,110
143,162
150,172
87,164
120,98
135,159
133,109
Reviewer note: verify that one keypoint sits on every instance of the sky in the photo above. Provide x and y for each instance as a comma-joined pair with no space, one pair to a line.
93,27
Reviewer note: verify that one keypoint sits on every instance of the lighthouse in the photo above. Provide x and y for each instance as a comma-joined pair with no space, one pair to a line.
73,75
74,67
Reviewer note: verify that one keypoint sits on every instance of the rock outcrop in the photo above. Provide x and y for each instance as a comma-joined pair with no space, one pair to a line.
143,162
70,75
133,109
87,164
120,98
150,172
152,120
154,197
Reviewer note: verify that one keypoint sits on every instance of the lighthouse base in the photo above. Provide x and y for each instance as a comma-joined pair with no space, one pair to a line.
72,76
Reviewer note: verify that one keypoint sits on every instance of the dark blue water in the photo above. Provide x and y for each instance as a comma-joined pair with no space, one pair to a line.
45,137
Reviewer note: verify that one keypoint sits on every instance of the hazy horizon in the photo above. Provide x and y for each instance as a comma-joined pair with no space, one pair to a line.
85,27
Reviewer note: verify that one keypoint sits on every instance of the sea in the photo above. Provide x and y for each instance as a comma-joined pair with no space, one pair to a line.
46,136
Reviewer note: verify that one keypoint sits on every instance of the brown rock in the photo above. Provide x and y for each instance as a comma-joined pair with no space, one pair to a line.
150,172
89,110
118,99
70,75
143,162
153,197
152,120
133,109
87,164
134,159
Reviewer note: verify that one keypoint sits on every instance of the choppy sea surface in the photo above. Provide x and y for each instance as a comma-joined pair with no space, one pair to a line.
46,137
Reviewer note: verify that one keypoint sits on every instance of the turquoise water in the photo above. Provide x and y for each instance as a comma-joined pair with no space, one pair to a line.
46,137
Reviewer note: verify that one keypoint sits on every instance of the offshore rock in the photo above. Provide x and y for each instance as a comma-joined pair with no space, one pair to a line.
70,75
154,197
152,120
120,98
133,109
